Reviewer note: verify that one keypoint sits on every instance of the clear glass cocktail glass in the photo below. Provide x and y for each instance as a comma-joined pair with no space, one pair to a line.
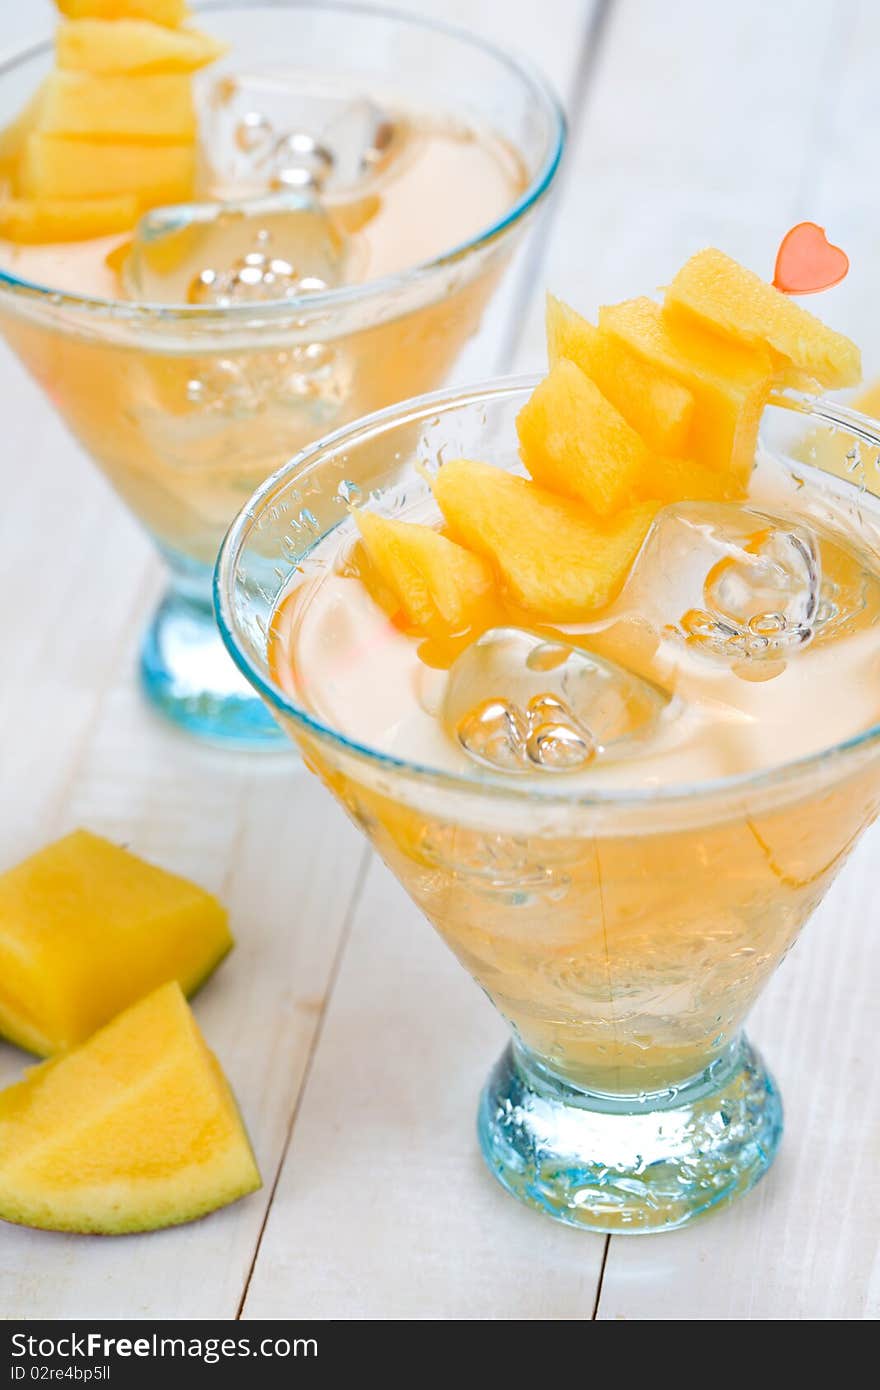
623,935
187,410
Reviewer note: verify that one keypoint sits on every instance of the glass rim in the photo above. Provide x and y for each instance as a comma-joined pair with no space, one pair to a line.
343,296
489,784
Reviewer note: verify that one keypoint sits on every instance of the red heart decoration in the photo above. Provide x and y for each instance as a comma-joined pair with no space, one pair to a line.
806,261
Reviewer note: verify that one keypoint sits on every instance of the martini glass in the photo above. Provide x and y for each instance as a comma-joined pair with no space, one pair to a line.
623,935
187,410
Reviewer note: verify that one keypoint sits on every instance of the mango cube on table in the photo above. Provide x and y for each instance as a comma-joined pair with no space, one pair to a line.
86,928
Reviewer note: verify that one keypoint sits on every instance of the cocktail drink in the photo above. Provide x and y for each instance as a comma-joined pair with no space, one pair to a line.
616,760
346,224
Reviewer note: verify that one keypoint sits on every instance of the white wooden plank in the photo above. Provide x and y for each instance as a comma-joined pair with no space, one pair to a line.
384,1209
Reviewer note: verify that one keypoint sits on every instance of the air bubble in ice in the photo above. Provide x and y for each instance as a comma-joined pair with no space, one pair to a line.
516,702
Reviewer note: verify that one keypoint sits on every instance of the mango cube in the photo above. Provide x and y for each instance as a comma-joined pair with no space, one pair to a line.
573,441
53,167
716,291
556,560
169,12
13,137
65,219
657,407
112,46
683,480
135,1130
86,929
730,383
119,107
440,586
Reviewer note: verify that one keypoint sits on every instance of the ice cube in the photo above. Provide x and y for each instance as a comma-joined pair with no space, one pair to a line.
735,583
272,130
518,702
222,253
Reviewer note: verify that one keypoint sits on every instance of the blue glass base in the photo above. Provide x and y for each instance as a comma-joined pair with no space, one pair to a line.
188,675
629,1164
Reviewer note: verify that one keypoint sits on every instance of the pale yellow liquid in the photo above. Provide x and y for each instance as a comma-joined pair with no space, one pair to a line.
625,947
186,429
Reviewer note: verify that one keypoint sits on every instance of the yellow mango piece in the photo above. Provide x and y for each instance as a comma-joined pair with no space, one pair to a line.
86,929
573,441
657,407
112,46
440,586
135,1130
119,107
683,480
13,137
169,12
57,168
65,219
556,560
729,383
721,294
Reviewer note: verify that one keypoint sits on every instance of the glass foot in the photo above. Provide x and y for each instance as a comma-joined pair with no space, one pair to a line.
188,675
625,1164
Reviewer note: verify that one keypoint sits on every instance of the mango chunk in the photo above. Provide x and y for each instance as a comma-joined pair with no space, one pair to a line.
13,137
169,12
135,1130
53,167
87,928
440,586
730,383
113,46
119,107
723,295
65,219
556,560
683,480
657,407
573,441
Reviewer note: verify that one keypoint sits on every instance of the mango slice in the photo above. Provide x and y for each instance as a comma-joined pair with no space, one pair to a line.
169,12
556,560
65,219
119,107
573,441
112,46
56,168
657,407
13,137
440,586
730,383
721,294
135,1130
682,480
87,928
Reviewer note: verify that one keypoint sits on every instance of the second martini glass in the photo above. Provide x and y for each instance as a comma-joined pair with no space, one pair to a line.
187,409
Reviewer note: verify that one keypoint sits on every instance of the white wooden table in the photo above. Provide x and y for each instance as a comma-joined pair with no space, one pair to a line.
691,123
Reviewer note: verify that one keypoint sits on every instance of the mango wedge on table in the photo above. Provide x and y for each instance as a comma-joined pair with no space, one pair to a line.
720,294
170,12
658,407
111,47
556,560
440,587
573,441
135,1130
730,383
86,929
154,108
